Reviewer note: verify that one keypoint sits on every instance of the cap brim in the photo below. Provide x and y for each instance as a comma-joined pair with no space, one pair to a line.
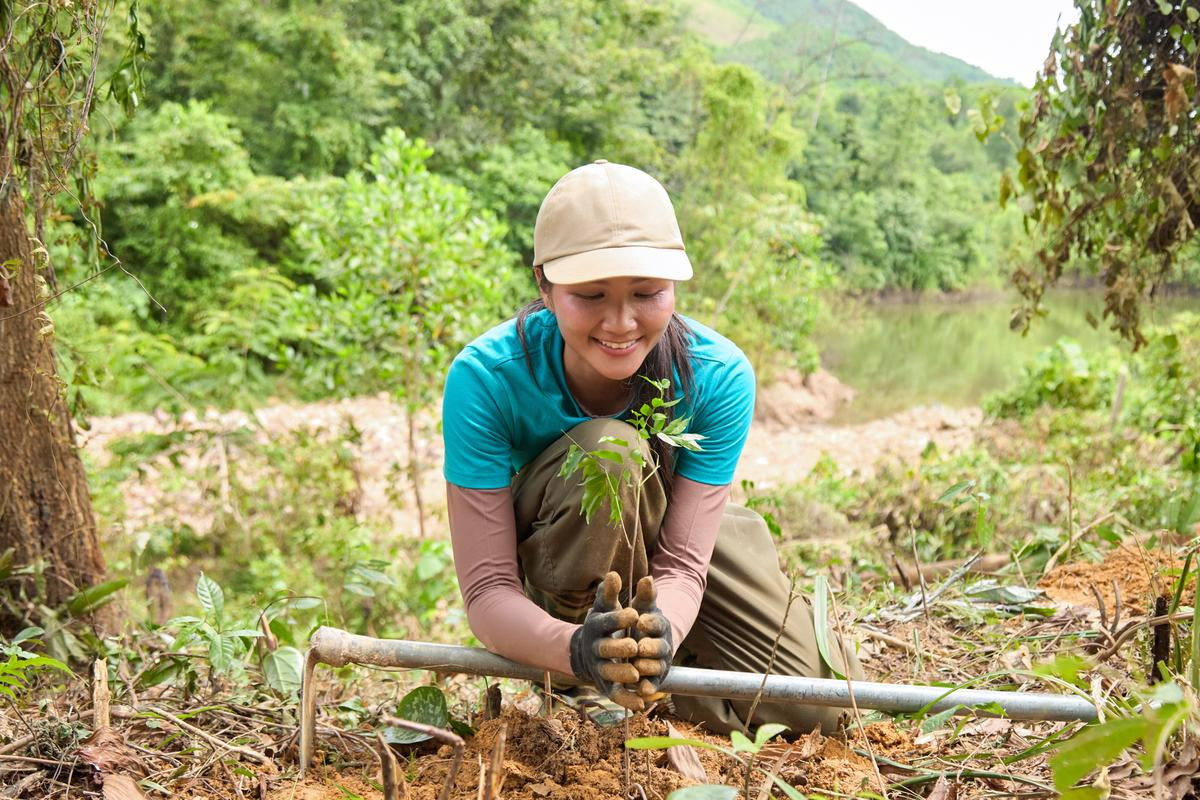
620,262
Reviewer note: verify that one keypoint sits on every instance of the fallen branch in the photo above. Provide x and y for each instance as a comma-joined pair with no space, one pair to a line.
888,639
1134,626
218,744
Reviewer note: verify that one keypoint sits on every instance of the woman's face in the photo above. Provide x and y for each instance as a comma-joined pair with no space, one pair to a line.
609,326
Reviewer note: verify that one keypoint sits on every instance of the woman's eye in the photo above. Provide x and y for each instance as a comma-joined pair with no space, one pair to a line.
648,295
588,296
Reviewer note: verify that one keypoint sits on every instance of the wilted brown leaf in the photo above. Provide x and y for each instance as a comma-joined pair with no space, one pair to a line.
1175,101
944,790
122,787
988,726
106,751
684,760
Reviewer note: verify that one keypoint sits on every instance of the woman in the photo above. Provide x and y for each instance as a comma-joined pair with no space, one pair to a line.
568,369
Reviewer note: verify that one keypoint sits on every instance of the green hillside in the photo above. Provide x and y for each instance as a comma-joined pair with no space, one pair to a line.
790,41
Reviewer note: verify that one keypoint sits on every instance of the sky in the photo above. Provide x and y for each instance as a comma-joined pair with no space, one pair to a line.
1009,39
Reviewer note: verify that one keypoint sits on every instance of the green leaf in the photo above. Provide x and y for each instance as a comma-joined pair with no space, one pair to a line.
575,455
788,790
27,634
220,650
211,598
609,455
955,490
244,633
1093,747
282,668
741,744
935,721
821,622
1084,793
1165,7
766,732
704,791
425,704
953,102
1006,188
373,575
663,742
93,597
1192,14
614,440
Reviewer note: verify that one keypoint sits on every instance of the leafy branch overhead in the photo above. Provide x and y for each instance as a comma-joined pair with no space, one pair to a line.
1109,161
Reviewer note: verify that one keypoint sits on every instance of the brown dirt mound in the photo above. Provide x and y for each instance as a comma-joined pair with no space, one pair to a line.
795,397
563,758
1140,575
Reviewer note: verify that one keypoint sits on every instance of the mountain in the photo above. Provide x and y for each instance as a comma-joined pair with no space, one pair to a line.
800,43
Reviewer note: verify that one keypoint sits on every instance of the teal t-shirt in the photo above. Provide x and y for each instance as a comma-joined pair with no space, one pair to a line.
497,417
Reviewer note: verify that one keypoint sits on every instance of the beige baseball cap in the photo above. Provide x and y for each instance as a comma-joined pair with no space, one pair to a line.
607,220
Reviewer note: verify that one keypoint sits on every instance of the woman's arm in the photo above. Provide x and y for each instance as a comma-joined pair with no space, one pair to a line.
685,545
484,535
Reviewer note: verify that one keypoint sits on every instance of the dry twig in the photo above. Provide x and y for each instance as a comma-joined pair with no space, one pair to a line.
218,744
442,735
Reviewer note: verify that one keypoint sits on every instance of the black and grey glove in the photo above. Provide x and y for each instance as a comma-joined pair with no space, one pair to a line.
653,636
602,658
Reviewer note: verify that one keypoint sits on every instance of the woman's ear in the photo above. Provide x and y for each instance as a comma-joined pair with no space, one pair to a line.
543,288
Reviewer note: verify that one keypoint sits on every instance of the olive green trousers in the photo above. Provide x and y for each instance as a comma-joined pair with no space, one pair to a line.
563,558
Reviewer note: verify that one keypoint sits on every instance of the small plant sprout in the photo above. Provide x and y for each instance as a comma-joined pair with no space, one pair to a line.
599,483
226,645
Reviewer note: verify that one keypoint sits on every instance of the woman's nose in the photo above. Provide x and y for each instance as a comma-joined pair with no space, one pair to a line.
619,317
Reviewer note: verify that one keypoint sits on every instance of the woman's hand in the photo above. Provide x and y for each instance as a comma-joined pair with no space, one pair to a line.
601,648
653,636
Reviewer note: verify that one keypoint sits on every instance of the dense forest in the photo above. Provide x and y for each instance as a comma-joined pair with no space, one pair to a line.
247,198
241,242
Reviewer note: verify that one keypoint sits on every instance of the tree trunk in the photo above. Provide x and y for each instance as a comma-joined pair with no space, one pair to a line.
45,508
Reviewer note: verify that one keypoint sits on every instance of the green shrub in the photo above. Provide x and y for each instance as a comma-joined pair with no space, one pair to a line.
1061,376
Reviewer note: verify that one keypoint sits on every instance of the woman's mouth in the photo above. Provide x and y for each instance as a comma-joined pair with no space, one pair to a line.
617,347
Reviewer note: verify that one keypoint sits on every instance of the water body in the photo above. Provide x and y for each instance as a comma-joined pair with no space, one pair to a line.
897,355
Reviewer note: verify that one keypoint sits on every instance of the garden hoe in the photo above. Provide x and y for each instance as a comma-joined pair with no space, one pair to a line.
337,648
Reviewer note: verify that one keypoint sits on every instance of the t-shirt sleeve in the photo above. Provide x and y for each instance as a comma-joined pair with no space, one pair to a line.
722,414
478,447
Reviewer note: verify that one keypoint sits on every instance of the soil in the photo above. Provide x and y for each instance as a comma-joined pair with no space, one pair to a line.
1139,575
564,758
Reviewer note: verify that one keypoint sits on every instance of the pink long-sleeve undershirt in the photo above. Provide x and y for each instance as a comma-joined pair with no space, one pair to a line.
484,535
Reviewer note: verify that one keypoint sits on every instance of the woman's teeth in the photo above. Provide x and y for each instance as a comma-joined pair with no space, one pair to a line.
617,345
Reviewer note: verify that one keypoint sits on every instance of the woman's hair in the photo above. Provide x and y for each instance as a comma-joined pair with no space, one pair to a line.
668,359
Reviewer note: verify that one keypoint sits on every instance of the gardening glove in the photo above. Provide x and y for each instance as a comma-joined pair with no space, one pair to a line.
653,636
601,648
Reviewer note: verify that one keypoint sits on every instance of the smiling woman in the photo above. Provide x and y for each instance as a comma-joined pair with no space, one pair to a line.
568,370
609,327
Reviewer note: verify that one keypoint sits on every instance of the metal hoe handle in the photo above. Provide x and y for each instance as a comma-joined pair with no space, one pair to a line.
338,648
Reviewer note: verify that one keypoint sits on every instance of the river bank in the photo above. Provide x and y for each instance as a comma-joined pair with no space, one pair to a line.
953,351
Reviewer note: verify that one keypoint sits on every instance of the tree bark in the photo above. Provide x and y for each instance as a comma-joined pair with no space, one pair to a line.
45,508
